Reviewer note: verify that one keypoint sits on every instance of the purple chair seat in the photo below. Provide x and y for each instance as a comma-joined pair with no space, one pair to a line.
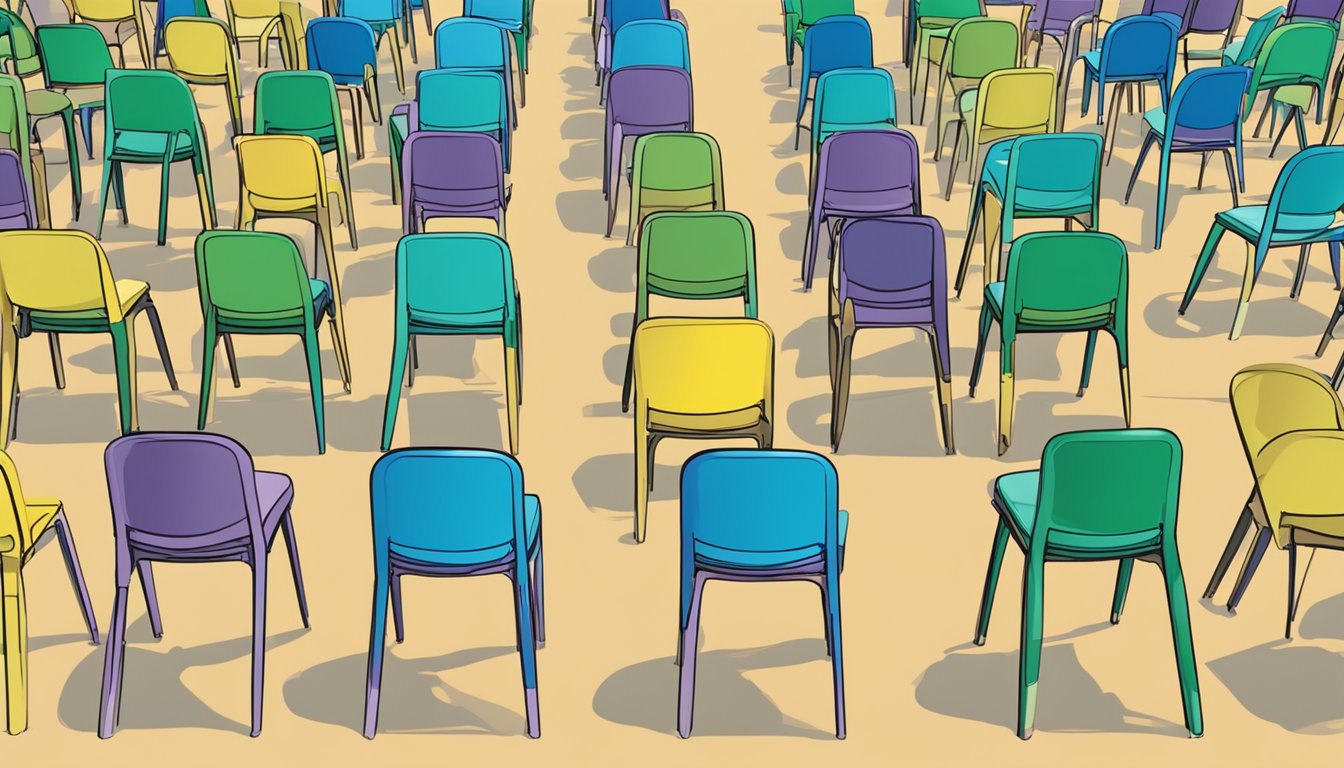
848,203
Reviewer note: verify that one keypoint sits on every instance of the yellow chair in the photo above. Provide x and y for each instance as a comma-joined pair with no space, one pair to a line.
257,20
118,13
1291,424
24,524
59,281
282,176
293,35
699,378
201,51
1009,102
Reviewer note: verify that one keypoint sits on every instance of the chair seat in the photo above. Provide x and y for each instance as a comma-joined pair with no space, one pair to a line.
40,514
839,202
710,555
487,321
698,199
483,556
966,102
143,146
1016,496
730,421
1232,51
233,320
1092,60
1299,96
129,291
1248,220
275,494
44,103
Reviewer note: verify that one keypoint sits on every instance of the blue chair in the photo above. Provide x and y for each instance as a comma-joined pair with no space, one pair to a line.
835,42
1136,49
347,50
443,512
1301,212
615,14
452,100
648,42
512,16
475,44
759,516
1205,117
383,16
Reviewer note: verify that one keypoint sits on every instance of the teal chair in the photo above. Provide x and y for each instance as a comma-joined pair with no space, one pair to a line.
1242,51
1057,282
455,284
1047,176
1098,495
151,118
255,283
1301,211
855,99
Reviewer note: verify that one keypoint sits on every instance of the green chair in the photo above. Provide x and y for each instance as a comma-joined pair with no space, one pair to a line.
151,118
18,49
255,283
975,47
1057,282
693,256
680,171
801,14
1296,54
19,52
16,131
455,284
928,29
1098,495
75,58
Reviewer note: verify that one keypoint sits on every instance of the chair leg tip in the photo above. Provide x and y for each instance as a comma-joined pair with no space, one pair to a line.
1115,618
1081,390
979,640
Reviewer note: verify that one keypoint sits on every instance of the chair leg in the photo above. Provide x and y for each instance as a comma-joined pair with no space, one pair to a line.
232,357
1232,180
511,398
15,621
840,396
145,569
1201,265
1148,143
527,648
258,638
1234,541
377,643
152,313
1087,362
1006,400
1186,666
1122,576
313,356
123,349
1300,274
986,322
942,370
1287,122
991,582
538,583
398,618
832,598
1330,326
399,369
76,573
292,546
690,637
1248,567
1247,286
976,206
1029,662
1292,592
58,365
113,656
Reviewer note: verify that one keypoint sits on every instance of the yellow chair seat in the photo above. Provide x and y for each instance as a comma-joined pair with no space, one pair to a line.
745,418
250,28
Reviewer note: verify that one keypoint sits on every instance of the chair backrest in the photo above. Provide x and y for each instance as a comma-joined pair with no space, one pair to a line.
813,11
1298,52
1137,47
760,501
148,101
696,255
1065,277
471,43
1014,102
15,130
1322,10
621,12
457,273
1056,16
252,273
704,365
1207,105
73,55
1273,399
651,96
1308,192
978,46
431,502
299,102
16,537
17,44
455,100
848,99
341,47
104,10
1256,36
1178,12
370,10
466,169
1213,16
1053,170
202,47
651,41
510,13
949,9
283,167
678,161
58,270
837,42
876,162
16,198
1108,483
894,264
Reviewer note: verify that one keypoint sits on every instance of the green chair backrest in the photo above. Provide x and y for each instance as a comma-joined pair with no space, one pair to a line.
256,275
73,55
1065,280
812,11
301,102
14,128
148,101
979,46
696,255
1256,36
852,99
678,161
949,9
17,44
1294,53
459,274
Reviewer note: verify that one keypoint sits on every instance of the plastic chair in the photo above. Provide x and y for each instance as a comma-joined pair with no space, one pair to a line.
927,26
293,35
1061,21
1050,176
851,100
1099,495
1136,50
202,52
512,16
257,20
255,283
1008,102
383,16
75,57
799,15
1205,117
452,100
151,118
640,101
448,174
759,516
18,49
835,42
1328,11
59,281
1057,282
456,284
648,42
1292,67
672,172
445,512
117,13
975,47
860,175
16,198
191,498
693,257
477,44
168,10
347,50
1244,50
615,15
1180,13
699,378
1212,17
1301,211
16,132
889,273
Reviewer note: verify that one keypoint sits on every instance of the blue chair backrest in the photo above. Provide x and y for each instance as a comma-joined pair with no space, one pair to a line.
621,12
371,10
1139,45
1310,184
1207,100
651,42
341,47
1254,42
456,100
508,13
837,42
471,44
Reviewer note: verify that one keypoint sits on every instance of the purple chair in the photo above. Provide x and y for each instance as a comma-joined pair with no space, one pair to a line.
191,497
640,100
1314,10
1059,20
452,174
889,273
16,200
1212,17
860,175
1182,9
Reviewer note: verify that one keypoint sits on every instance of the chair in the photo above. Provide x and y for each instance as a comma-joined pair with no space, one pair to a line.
255,283
648,42
57,282
383,16
692,257
202,52
151,118
759,516
16,197
293,35
1048,176
191,498
1180,13
799,15
512,16
451,174
1008,102
346,50
1244,50
611,19
1099,495
1301,211
1205,117
643,100
168,10
456,284
117,13
18,49
452,100
23,530
1136,49
75,57
1211,17
477,44
679,171
15,130
257,20
975,47
851,100
860,175
889,273
1057,282
1328,11
1061,21
699,378
835,42
445,512
1292,67
927,26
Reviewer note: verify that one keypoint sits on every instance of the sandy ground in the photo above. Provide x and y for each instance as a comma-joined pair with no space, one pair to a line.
918,692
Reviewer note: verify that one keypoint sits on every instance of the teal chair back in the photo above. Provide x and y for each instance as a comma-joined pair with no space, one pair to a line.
1306,196
1055,173
1255,37
290,102
852,99
467,276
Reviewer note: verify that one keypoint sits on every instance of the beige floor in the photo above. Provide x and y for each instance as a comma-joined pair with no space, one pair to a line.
918,692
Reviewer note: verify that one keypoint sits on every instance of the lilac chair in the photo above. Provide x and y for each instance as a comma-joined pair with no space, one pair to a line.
860,175
452,174
645,99
16,200
191,497
1211,17
1314,10
889,273
1060,20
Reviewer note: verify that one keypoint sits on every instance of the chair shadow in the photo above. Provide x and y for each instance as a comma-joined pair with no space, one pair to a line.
900,422
1272,315
47,415
1293,686
644,694
1323,620
584,211
414,699
1071,700
607,483
613,269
